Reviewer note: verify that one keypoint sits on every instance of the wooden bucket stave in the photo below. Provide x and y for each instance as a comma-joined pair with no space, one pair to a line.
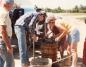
49,51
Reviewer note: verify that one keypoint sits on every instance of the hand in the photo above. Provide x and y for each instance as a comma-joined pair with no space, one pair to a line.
10,50
57,39
35,38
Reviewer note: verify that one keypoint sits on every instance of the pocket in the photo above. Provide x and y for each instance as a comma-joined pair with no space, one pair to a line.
0,50
1,41
3,52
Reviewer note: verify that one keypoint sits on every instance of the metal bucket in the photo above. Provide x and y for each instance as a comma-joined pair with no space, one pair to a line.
41,62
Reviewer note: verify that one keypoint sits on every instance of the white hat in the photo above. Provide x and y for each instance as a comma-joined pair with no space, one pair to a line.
42,13
49,18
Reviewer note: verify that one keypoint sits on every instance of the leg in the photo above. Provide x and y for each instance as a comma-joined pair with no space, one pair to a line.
2,56
21,36
9,60
75,37
61,50
1,62
62,45
74,54
68,60
68,50
6,57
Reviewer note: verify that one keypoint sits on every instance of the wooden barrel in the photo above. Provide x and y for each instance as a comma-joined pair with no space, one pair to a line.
84,53
49,51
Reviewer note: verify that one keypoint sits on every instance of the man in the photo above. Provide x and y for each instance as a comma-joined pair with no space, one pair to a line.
67,24
15,14
25,23
6,51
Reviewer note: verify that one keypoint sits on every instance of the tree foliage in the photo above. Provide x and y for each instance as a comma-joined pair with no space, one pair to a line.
76,9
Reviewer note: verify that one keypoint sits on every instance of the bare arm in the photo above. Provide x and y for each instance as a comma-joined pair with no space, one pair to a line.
63,32
5,36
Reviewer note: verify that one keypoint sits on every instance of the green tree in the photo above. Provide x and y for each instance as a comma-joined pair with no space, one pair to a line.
82,7
76,9
48,10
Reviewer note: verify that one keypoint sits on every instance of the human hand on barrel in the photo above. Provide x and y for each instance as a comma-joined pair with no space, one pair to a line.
34,38
57,39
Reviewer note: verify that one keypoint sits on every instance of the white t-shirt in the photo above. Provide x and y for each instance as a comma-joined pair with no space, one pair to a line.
5,20
38,27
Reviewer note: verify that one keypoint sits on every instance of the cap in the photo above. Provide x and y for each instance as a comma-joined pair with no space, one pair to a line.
38,9
42,13
49,18
9,1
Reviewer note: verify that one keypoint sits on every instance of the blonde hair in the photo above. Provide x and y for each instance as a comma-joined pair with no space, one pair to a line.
49,18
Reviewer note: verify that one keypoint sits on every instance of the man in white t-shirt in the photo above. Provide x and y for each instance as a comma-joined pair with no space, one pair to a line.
6,51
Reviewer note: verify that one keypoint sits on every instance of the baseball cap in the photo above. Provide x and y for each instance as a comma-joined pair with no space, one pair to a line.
8,1
38,9
42,12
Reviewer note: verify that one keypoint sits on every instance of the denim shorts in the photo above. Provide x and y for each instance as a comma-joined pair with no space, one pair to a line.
74,36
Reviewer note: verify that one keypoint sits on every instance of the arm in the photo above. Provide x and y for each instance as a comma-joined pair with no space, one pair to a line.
32,24
63,32
5,37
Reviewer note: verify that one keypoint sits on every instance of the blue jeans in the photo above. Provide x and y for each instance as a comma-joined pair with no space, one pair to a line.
21,36
6,59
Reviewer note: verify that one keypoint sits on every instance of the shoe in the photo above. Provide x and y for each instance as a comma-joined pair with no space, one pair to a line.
26,65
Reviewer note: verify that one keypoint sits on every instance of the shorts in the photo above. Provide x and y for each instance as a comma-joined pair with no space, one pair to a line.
73,36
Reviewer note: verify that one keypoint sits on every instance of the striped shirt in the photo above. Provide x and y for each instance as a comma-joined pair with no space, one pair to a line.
27,19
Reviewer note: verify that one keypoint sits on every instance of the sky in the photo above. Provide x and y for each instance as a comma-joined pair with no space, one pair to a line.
65,4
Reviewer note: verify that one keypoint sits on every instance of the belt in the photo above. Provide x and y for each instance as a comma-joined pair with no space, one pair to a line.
18,25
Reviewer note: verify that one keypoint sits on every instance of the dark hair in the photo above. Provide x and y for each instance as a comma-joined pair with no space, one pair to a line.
38,9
